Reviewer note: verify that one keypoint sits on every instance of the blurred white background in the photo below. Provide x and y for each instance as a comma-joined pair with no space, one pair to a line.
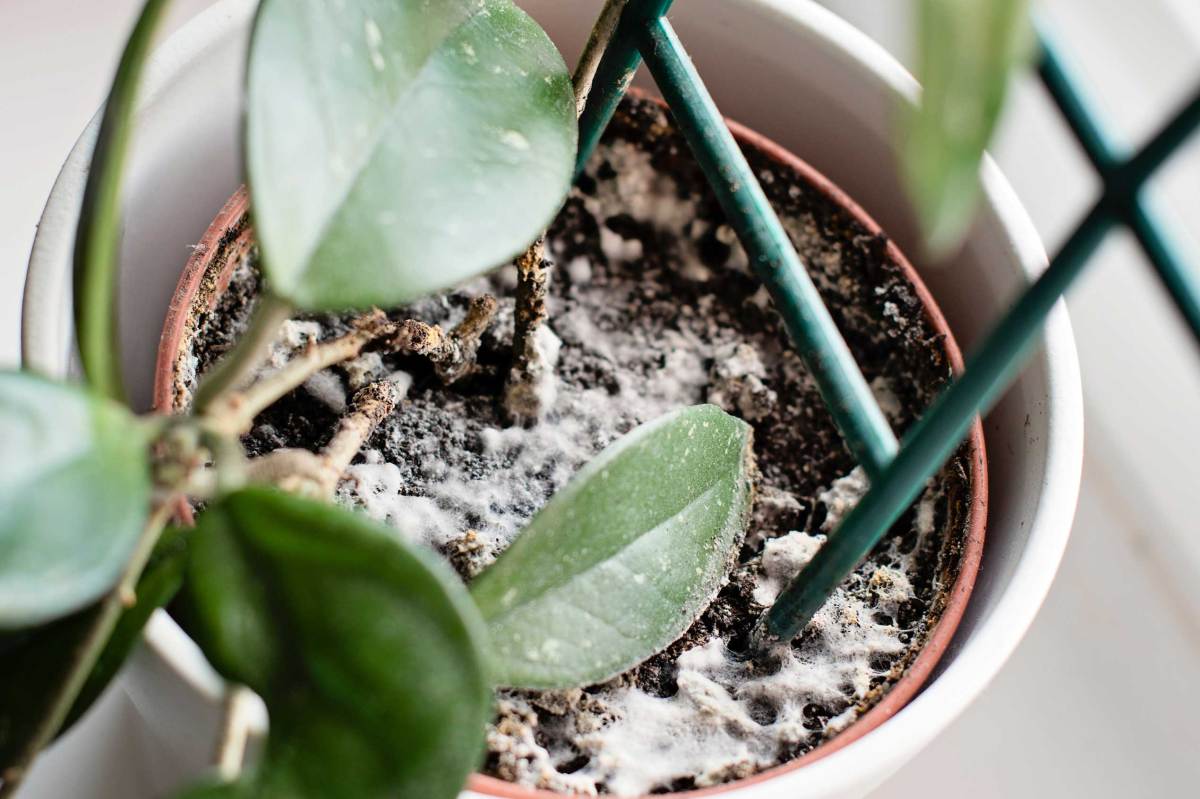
1099,700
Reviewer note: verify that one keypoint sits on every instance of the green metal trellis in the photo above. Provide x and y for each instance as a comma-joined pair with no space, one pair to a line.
898,470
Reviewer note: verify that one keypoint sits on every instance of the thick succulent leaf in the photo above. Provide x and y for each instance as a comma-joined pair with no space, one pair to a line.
34,663
622,560
397,147
74,495
967,50
366,652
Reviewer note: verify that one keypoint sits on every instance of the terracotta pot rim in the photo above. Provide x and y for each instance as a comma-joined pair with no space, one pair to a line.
228,229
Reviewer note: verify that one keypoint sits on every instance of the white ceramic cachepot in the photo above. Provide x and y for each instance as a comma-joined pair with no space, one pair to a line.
788,69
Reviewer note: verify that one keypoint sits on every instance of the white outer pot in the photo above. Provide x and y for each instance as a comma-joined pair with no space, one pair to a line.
790,70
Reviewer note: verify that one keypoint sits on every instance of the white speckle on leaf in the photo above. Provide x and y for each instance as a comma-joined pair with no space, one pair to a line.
373,34
374,42
514,139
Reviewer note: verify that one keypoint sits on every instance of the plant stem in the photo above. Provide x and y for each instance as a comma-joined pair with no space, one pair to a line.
98,235
593,51
522,399
316,475
295,470
247,356
233,411
235,733
453,353
371,405
84,658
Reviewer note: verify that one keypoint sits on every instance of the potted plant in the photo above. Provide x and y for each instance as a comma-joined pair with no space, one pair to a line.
660,320
234,516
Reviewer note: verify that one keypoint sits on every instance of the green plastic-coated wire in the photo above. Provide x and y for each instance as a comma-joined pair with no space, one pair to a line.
645,33
897,475
772,255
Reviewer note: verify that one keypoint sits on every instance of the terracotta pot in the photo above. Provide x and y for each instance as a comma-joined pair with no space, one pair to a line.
798,74
224,244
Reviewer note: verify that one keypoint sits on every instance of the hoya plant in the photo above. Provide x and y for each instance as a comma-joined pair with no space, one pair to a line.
377,133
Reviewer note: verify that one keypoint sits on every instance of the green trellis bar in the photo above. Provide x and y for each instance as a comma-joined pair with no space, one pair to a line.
937,434
997,362
644,30
1125,178
896,481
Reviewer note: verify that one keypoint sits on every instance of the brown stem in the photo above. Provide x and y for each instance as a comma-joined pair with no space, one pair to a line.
252,349
597,43
522,400
234,412
370,406
294,470
453,353
316,475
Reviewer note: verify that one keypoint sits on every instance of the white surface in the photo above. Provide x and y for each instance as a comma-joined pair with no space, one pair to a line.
1088,705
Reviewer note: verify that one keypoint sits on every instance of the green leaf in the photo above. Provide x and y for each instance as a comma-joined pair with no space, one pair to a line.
966,50
74,496
98,235
622,560
34,663
366,652
397,147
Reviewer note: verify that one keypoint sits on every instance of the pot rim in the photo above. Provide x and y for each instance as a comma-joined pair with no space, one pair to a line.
206,276
1047,512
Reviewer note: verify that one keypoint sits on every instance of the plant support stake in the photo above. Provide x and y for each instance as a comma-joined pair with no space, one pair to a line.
897,473
997,362
645,33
